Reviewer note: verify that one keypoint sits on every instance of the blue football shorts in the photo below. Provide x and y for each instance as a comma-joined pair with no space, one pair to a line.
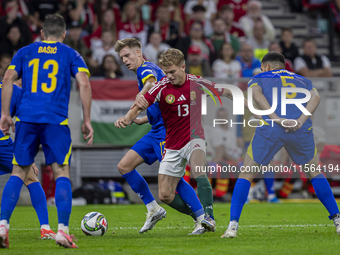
267,141
6,156
151,146
55,140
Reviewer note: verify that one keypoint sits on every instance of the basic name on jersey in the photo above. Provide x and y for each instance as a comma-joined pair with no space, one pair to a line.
48,50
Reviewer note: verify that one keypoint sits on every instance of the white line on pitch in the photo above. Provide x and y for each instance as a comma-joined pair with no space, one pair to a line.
185,227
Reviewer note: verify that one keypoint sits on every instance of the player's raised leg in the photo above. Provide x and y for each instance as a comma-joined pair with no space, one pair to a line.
239,197
204,189
38,200
167,186
323,191
138,184
10,197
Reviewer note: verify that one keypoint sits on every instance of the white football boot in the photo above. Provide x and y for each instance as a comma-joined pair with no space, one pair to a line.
336,220
152,217
231,232
199,229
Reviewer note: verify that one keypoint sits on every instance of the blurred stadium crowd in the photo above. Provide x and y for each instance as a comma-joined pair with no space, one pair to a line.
220,38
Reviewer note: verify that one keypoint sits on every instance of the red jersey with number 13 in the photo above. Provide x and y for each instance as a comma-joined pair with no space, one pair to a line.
181,108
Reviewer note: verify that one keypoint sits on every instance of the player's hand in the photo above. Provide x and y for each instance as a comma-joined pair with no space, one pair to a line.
5,123
35,169
122,122
136,121
140,102
87,131
288,125
298,124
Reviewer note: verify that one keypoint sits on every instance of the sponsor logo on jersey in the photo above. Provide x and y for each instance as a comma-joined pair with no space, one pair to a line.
181,98
170,99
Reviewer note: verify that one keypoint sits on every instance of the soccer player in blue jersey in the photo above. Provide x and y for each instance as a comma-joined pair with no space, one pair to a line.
150,148
298,139
42,118
37,194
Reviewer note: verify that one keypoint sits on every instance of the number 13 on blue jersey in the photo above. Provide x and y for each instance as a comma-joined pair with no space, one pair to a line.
52,75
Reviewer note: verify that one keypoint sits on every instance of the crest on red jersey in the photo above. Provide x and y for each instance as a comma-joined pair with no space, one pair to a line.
170,99
193,97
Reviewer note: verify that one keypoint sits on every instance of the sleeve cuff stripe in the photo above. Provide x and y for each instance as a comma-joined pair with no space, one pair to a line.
147,77
82,69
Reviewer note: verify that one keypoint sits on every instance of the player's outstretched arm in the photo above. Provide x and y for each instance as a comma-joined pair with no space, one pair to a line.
7,90
86,101
132,114
141,121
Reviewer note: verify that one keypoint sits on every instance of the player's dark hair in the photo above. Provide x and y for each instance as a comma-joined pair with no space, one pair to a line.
54,26
274,59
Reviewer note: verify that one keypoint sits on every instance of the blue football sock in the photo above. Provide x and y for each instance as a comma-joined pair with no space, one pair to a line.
38,200
324,193
188,194
239,198
139,186
269,181
10,197
63,199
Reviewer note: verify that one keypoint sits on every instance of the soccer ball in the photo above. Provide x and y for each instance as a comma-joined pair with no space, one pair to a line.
94,224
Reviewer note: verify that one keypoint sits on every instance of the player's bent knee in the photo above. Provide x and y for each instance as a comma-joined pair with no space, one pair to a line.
60,170
123,168
166,197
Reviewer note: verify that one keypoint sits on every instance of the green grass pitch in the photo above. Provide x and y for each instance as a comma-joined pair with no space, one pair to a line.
293,228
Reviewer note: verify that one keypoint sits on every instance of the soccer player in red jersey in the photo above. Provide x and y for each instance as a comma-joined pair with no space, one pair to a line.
179,98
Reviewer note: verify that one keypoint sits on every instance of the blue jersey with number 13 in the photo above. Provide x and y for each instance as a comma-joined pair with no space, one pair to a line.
46,69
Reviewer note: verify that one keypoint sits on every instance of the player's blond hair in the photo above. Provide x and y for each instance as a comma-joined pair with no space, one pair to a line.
130,42
172,57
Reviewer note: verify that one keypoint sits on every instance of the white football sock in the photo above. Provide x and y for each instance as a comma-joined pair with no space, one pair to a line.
63,228
5,223
233,223
45,226
200,218
150,206
271,196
